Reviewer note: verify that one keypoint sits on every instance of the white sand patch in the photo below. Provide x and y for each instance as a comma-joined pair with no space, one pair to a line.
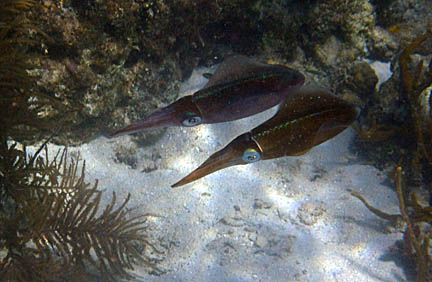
288,219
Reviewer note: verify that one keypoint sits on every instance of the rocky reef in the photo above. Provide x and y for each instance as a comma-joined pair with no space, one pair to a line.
112,62
90,67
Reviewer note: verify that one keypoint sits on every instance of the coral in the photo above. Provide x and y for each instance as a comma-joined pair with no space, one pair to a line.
362,79
349,20
383,44
81,69
398,23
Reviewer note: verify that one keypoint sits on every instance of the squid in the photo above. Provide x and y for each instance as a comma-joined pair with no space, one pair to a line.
240,87
306,119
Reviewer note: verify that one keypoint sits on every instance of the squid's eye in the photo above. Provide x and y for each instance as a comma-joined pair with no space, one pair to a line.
251,156
191,119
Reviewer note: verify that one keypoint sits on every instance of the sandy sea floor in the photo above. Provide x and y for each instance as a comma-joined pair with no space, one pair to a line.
288,219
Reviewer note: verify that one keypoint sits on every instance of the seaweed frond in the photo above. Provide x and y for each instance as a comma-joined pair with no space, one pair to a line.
412,90
394,218
416,238
417,244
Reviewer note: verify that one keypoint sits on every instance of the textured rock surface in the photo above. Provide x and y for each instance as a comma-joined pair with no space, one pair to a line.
113,62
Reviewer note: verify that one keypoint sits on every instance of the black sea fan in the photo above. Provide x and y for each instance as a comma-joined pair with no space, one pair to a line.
56,229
